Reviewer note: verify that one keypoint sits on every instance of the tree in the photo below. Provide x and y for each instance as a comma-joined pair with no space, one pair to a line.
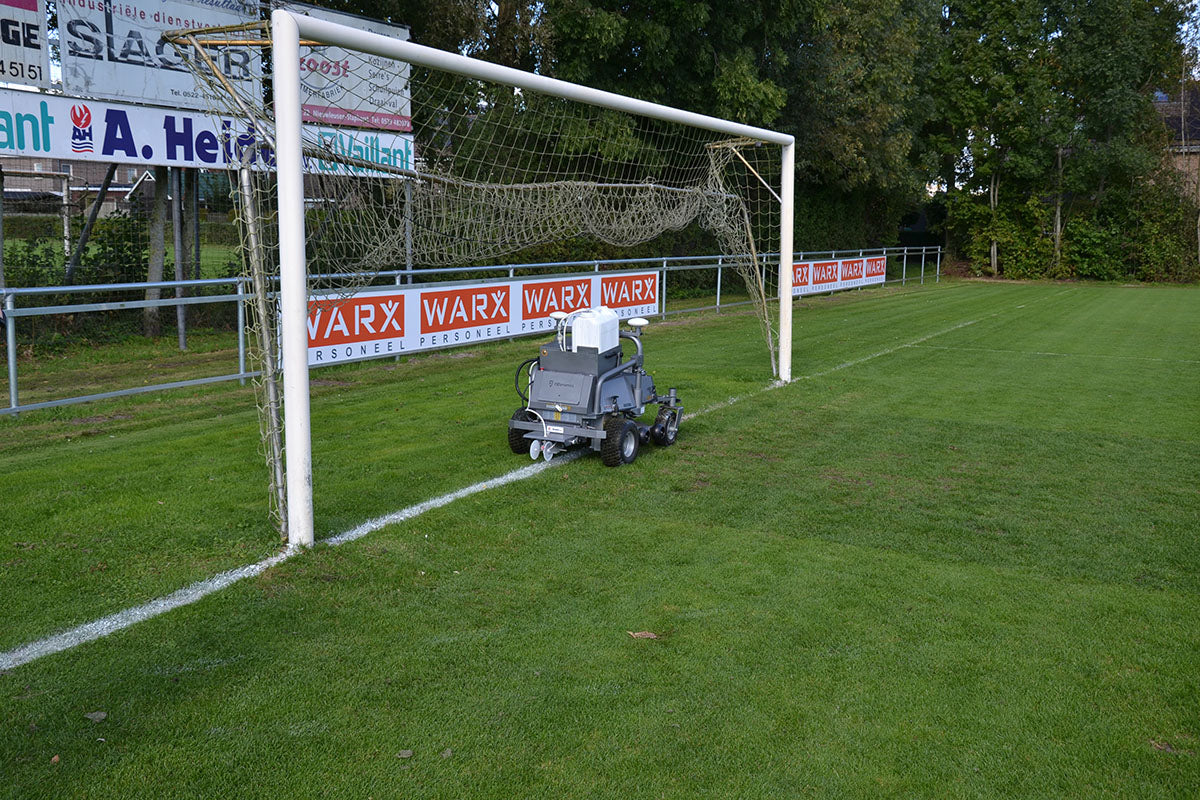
1041,114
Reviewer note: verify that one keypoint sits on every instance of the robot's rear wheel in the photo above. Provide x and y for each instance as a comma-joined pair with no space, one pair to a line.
621,442
516,437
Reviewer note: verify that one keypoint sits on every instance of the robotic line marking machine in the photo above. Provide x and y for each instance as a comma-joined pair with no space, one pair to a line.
580,390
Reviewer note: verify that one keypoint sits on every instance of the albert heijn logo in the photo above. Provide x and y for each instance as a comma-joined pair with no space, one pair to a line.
365,318
81,131
457,309
542,298
625,291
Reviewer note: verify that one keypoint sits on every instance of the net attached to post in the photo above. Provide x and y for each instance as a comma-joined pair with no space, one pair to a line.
454,171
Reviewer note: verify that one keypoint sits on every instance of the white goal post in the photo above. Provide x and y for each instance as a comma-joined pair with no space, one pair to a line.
287,31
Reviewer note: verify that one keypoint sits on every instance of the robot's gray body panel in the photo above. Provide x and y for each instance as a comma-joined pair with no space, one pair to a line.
564,386
574,391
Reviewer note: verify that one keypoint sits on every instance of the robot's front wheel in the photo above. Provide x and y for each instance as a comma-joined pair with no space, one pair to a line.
666,427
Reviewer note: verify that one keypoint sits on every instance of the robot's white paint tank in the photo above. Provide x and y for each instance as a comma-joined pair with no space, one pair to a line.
596,327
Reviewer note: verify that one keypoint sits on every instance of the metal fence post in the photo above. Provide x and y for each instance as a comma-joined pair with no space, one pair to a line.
10,337
176,184
938,274
904,267
241,330
719,264
663,288
923,252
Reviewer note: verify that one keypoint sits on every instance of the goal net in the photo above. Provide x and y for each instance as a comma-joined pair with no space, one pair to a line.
356,154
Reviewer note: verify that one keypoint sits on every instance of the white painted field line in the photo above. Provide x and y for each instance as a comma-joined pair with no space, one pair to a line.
190,594
130,616
372,525
1062,355
104,626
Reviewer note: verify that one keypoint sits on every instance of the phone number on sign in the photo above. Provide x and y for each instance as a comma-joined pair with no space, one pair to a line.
18,69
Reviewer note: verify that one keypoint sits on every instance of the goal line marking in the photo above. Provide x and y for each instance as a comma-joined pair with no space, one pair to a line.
112,623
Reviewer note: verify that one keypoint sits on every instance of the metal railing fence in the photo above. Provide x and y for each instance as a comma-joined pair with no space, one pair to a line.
900,259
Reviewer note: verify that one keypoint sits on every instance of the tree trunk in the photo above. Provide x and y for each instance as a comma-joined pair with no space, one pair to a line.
151,324
994,201
505,48
1058,217
86,233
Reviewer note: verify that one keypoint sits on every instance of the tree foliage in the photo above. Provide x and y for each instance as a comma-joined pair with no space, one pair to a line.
1033,117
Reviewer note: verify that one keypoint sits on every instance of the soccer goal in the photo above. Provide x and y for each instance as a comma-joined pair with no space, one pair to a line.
357,152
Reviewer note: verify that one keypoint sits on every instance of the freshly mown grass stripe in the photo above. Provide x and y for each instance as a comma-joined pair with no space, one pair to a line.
872,583
126,501
121,619
113,623
496,629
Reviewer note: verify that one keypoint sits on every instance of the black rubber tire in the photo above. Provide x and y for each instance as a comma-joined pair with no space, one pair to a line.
516,438
666,427
621,442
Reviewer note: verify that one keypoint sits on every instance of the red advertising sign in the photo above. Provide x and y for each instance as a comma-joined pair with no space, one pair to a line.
389,321
541,298
824,272
852,269
363,318
811,277
624,291
455,309
800,273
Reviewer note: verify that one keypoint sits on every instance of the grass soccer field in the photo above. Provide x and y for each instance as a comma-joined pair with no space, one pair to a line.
957,557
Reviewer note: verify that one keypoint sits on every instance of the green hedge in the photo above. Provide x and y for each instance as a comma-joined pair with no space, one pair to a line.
34,226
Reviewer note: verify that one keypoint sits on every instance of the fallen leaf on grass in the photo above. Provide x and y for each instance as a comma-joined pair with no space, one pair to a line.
97,716
643,635
447,753
1167,748
404,754
55,759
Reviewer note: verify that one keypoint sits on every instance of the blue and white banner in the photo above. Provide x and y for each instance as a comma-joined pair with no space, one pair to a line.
53,126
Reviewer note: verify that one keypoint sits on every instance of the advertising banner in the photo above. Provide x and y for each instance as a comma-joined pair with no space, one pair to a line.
52,126
114,50
378,321
349,88
814,277
24,48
